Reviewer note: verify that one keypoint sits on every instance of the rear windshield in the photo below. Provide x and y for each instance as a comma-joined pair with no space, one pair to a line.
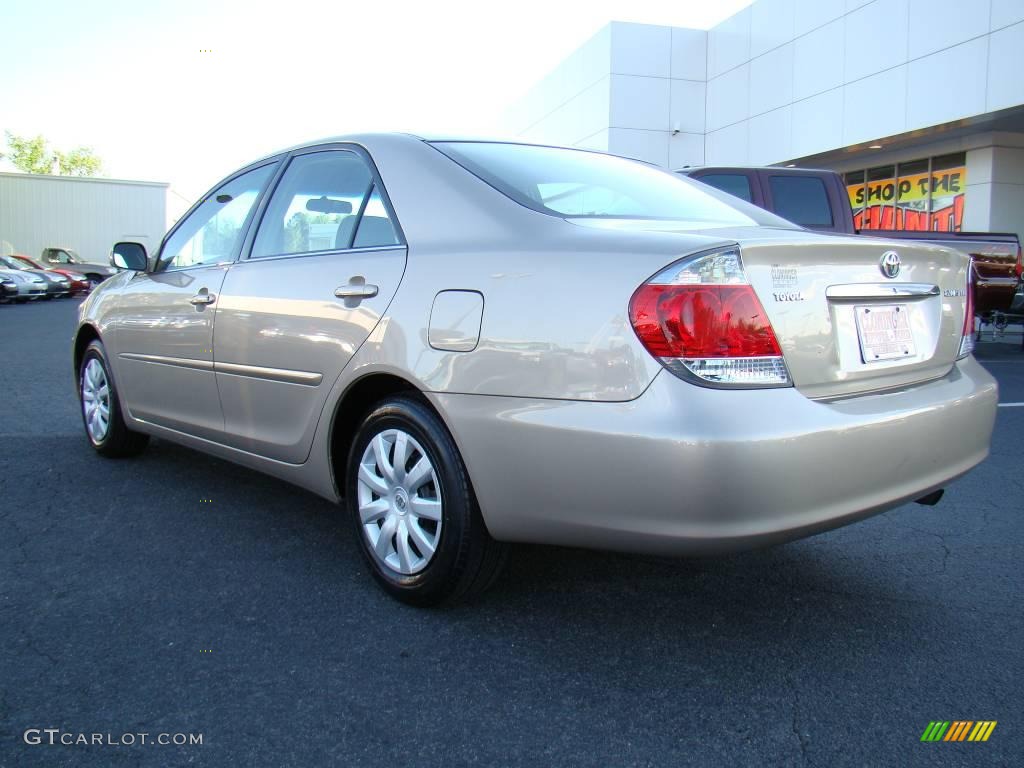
572,183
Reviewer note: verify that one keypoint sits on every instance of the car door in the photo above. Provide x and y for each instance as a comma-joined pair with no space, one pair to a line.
163,335
322,267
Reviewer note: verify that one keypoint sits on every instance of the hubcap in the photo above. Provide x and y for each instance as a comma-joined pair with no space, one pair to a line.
399,500
96,400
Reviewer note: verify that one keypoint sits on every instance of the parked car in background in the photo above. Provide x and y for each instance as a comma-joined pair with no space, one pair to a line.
8,289
818,200
473,343
78,282
95,272
56,285
30,286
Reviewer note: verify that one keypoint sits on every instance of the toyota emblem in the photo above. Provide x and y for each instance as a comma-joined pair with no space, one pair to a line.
890,264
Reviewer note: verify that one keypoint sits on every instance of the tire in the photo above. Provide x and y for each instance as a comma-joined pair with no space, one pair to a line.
465,560
116,440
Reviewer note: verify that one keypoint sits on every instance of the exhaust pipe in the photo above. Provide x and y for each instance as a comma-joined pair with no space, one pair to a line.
931,499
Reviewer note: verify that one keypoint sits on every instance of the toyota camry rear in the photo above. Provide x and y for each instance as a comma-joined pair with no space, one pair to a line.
475,343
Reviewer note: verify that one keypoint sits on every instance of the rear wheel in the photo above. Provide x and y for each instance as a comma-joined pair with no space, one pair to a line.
417,520
101,408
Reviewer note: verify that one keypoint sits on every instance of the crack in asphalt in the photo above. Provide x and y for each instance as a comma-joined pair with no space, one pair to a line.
795,689
30,645
942,542
795,727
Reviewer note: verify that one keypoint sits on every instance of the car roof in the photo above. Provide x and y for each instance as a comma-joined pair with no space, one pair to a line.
368,138
688,169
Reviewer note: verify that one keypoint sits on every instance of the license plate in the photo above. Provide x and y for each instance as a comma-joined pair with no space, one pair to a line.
884,332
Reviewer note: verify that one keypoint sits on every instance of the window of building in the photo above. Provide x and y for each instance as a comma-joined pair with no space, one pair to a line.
925,194
855,188
948,189
912,195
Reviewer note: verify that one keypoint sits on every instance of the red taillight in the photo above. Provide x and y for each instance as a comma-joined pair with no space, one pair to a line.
1020,265
703,321
967,337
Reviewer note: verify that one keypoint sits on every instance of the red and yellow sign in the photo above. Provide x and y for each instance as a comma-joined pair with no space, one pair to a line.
903,203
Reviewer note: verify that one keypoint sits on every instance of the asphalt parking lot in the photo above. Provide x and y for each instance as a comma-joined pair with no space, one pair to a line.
176,593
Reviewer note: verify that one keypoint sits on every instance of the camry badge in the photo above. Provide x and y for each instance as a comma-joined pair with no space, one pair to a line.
890,264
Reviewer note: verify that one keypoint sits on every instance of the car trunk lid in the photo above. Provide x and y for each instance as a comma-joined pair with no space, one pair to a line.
852,317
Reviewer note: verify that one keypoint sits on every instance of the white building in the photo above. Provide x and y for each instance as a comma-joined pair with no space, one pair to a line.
891,92
87,215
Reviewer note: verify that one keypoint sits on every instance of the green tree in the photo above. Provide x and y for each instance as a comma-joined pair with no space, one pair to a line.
80,161
296,233
33,155
29,155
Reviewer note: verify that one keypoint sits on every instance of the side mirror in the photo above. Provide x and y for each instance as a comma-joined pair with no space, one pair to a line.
129,256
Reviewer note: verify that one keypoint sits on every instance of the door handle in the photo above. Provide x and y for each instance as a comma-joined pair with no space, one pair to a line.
203,298
357,288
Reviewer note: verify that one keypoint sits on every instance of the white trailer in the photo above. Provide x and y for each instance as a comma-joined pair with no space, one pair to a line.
87,215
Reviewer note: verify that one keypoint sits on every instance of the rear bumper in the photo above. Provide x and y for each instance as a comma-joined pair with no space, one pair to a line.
687,470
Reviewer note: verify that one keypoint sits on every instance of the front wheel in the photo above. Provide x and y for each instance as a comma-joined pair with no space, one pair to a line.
417,520
101,408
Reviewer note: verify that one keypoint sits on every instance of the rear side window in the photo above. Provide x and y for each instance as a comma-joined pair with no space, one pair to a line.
375,227
736,184
801,199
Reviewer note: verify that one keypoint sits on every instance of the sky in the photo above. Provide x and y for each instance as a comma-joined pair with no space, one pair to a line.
186,91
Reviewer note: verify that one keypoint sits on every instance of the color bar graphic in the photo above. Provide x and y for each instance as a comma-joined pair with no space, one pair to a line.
958,730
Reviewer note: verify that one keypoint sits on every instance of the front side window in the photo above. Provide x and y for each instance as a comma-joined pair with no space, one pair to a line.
326,201
213,232
579,184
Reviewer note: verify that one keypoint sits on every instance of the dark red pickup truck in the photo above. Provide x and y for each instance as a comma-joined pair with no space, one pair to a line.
817,199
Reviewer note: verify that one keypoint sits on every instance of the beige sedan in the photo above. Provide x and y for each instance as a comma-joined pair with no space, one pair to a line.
472,343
